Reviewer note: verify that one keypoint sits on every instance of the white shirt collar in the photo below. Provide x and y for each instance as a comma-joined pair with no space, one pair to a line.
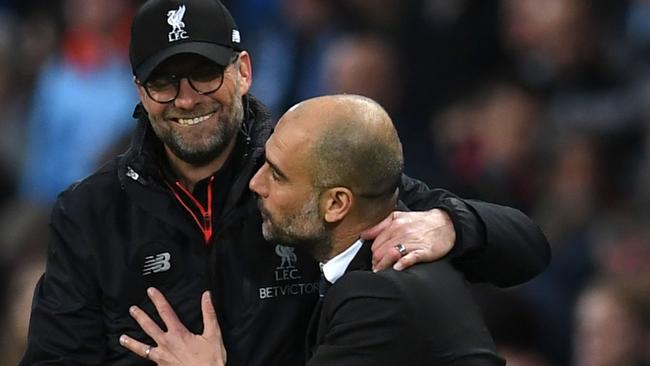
334,268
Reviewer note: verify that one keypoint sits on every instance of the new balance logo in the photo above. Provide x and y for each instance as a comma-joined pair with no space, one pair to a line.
156,263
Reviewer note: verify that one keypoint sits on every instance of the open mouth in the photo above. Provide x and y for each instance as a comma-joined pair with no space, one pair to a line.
193,121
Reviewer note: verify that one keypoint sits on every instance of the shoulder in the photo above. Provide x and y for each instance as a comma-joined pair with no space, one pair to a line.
91,193
428,303
366,300
420,288
434,283
364,290
435,275
363,284
438,274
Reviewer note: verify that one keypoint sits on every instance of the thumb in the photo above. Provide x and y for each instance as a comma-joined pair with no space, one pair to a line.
210,323
374,231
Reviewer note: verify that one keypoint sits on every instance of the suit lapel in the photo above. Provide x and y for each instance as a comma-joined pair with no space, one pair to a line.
318,323
312,329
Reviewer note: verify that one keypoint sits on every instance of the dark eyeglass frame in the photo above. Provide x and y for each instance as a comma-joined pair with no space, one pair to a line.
176,82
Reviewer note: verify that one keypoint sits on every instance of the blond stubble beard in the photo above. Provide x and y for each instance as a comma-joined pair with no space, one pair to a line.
208,148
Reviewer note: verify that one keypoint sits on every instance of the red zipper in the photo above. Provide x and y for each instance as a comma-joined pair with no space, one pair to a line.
204,225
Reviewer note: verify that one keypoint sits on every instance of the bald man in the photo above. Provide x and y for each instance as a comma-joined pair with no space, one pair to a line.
332,170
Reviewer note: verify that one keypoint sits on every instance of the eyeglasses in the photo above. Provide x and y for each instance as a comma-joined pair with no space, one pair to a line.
205,79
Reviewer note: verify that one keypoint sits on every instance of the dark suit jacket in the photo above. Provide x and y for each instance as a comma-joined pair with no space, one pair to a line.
424,315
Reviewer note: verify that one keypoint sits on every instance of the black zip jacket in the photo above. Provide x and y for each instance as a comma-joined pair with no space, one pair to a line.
121,230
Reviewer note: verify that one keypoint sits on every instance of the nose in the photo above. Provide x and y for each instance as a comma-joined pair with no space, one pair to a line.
257,184
187,97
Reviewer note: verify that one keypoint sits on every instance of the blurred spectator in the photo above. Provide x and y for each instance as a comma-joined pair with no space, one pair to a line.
16,319
365,65
390,17
573,185
622,244
371,65
638,26
574,188
451,46
613,324
514,326
25,40
253,16
547,39
82,101
23,252
288,51
562,49
12,105
38,34
487,142
641,189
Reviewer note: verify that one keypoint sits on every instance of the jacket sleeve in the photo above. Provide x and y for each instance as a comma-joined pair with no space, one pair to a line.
66,323
495,244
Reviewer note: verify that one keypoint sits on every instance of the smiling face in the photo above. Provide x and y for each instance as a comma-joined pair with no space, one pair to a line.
195,127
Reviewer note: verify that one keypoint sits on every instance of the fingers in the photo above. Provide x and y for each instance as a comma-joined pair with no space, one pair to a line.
409,260
177,345
427,236
145,322
374,231
414,254
211,327
165,310
383,249
390,256
137,347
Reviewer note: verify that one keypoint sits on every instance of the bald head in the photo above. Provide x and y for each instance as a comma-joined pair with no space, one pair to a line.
349,141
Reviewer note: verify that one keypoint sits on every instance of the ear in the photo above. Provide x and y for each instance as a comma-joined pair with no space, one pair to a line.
140,89
245,72
336,203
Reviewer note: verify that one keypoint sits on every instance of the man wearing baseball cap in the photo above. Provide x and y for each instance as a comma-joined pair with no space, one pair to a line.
174,212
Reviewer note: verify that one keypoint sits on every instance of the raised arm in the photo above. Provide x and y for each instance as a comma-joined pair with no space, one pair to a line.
489,243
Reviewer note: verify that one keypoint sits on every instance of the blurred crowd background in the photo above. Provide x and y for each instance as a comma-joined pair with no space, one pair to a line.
543,105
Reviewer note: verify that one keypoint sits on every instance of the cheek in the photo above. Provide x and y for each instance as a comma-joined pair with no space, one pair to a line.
154,110
281,200
226,94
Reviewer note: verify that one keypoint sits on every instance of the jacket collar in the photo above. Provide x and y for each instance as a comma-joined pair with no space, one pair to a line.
363,260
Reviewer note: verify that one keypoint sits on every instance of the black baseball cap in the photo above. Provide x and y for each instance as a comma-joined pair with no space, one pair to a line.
164,28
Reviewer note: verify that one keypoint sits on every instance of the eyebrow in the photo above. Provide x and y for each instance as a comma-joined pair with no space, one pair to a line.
275,168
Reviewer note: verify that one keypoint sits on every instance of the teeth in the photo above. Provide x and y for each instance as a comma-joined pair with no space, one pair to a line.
193,121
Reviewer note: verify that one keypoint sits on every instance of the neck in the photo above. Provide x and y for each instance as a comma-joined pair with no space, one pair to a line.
189,175
344,237
350,229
